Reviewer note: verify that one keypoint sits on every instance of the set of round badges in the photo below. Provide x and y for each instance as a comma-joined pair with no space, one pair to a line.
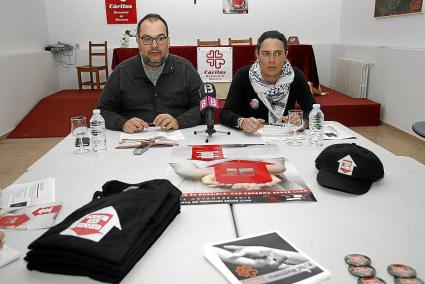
359,265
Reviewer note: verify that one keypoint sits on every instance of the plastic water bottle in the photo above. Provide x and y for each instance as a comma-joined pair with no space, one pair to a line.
316,120
97,128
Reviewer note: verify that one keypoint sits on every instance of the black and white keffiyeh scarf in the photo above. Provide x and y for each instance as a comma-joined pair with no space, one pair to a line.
274,97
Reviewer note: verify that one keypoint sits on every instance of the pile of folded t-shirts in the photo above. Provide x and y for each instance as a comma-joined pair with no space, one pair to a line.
105,238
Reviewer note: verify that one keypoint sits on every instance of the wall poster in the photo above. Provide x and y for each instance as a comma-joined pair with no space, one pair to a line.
235,6
385,8
121,11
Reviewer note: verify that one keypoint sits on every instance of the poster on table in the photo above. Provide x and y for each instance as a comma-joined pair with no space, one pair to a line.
215,64
236,173
121,11
235,6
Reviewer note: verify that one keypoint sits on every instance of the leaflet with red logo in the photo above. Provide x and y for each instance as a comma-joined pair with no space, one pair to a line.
263,258
28,194
30,217
236,173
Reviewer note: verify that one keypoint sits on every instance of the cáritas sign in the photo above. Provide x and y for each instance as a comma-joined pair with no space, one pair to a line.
121,11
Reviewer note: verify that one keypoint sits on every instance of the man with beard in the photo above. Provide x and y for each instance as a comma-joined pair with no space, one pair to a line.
153,87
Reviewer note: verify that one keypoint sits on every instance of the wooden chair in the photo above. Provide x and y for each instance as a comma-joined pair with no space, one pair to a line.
240,41
293,40
95,49
208,42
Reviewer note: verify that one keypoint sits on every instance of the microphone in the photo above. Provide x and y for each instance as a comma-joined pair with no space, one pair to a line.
207,105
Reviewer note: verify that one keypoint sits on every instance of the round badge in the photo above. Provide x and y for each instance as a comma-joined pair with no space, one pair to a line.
254,103
362,271
357,259
370,280
412,280
401,270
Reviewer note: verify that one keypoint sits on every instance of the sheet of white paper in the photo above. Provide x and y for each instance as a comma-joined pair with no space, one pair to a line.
334,132
153,133
27,194
271,133
8,254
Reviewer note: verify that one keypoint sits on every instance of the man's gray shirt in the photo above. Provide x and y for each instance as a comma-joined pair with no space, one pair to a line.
130,93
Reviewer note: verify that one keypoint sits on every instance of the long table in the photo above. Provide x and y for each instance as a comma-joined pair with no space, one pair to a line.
385,223
301,56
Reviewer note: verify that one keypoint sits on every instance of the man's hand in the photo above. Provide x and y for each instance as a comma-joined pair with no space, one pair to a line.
251,124
166,121
134,125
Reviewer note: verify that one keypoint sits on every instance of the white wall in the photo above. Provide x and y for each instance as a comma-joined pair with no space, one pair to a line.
397,47
359,27
24,79
80,21
27,73
23,26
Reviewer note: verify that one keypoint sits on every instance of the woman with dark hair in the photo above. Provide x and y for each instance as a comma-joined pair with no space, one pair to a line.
265,91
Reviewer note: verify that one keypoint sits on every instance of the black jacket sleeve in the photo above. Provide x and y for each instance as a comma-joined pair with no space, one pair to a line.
233,107
302,93
192,116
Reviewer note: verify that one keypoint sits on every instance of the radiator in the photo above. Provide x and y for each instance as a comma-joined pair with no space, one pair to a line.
352,77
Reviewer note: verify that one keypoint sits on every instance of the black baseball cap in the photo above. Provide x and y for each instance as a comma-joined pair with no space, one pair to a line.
349,168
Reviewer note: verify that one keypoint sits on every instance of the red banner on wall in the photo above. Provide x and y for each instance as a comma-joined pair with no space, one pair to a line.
121,11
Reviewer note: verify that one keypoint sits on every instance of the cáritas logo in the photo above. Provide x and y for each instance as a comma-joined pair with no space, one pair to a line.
215,59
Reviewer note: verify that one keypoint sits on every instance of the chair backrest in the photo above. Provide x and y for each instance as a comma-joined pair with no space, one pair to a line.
240,41
98,49
293,40
208,42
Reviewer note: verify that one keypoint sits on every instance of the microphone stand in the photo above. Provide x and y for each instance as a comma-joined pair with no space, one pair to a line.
210,131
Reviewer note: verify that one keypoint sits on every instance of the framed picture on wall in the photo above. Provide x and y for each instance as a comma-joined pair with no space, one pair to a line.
235,6
385,8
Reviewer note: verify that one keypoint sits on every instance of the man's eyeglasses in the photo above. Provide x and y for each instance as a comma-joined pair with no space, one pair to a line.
148,40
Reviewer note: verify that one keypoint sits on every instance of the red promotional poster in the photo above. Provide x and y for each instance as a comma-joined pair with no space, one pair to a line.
235,173
121,11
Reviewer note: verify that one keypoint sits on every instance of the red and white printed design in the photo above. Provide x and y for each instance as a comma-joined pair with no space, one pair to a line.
207,152
121,11
238,3
346,165
232,172
94,226
30,217
13,221
47,210
215,64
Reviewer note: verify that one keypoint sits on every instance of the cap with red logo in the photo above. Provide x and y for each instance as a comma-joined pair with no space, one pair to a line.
349,168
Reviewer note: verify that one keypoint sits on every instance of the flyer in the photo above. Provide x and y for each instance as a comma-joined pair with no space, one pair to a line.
236,173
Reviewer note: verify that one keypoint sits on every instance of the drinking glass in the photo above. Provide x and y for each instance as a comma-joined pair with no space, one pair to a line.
295,122
79,130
